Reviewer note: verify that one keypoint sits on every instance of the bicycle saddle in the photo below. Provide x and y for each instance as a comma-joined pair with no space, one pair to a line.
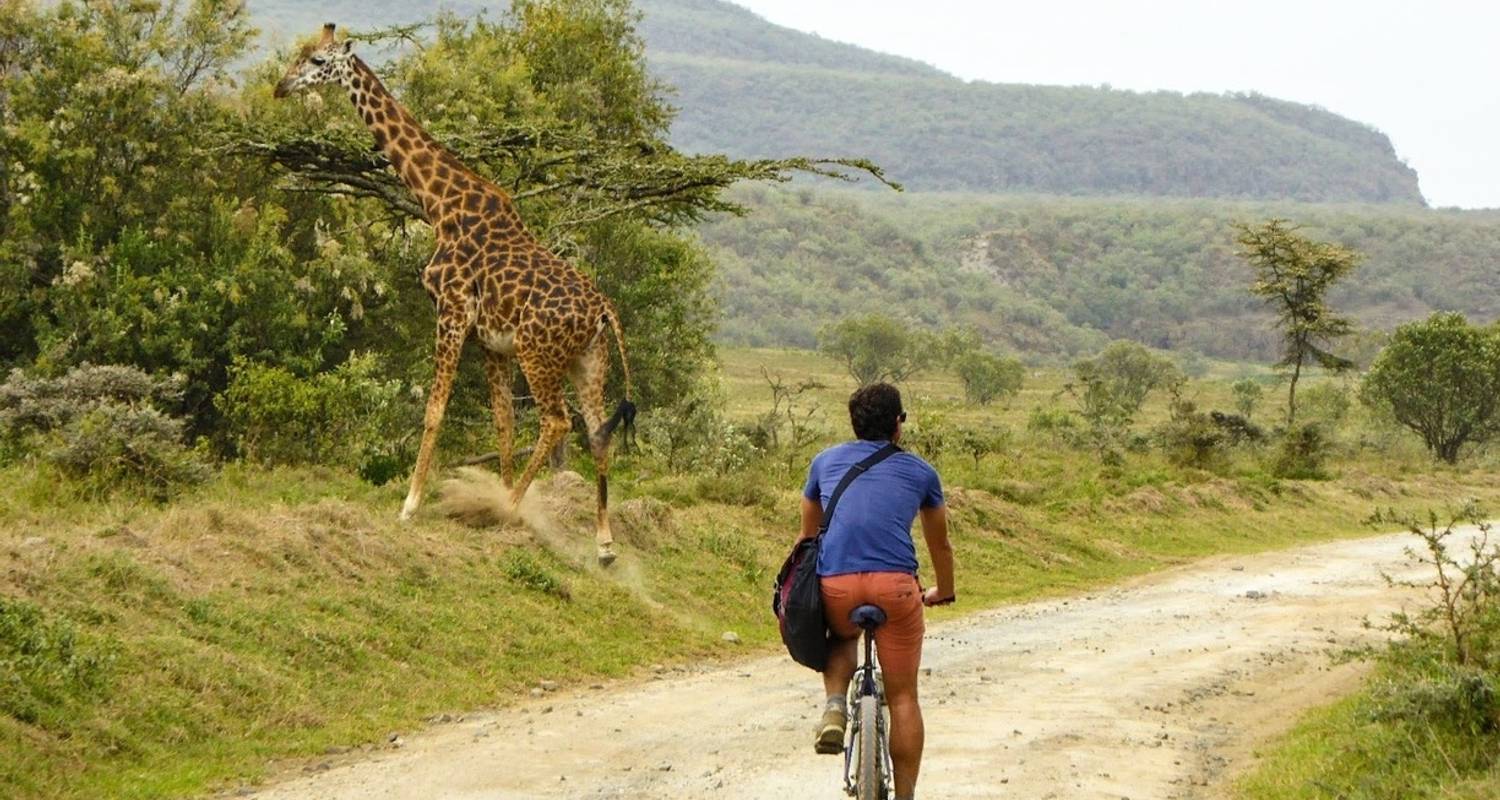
868,617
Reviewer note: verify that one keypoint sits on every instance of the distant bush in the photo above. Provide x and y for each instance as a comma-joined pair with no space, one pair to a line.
988,377
1112,387
1191,438
1247,395
348,417
1301,453
1326,404
1052,422
875,348
692,434
103,426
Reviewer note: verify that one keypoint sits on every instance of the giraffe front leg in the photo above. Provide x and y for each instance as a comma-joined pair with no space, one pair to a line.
450,342
497,369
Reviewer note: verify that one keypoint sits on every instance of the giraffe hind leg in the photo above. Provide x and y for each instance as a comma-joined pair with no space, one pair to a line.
546,388
497,369
589,374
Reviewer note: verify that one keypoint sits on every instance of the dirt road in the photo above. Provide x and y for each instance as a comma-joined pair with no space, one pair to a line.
1155,690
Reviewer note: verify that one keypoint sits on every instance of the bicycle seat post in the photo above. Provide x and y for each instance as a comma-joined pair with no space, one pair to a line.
867,618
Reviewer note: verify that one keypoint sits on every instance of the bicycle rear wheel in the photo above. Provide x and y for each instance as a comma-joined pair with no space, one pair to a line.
869,784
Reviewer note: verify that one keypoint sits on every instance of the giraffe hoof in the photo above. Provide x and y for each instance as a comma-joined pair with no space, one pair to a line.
606,555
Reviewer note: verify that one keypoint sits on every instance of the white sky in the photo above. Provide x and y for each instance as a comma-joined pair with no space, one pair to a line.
1425,72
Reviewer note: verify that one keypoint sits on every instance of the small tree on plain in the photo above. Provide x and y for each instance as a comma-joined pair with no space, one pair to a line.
875,348
1247,395
1293,274
988,377
1112,387
1440,378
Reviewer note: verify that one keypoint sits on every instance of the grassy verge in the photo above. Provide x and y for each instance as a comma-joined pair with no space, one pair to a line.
1408,734
1427,722
161,651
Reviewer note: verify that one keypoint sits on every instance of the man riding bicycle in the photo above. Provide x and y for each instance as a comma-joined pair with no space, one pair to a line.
867,556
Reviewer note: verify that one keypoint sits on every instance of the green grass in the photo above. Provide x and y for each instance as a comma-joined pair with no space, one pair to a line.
1379,744
272,615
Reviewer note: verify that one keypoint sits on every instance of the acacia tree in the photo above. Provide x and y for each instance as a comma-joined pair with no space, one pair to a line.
1293,275
1440,378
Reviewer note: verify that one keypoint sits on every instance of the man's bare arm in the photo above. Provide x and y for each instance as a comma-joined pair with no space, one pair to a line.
940,550
812,518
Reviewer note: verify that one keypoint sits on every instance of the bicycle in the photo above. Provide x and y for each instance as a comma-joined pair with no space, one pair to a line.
867,751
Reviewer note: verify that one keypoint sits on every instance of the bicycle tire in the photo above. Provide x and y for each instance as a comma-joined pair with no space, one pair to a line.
869,784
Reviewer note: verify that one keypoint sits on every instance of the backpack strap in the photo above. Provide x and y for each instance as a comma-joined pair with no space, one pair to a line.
855,471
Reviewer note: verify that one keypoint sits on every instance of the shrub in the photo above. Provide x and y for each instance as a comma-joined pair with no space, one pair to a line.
989,377
692,434
523,569
349,417
103,426
1112,387
1301,454
43,665
1053,422
1191,438
1326,404
978,442
114,446
1238,429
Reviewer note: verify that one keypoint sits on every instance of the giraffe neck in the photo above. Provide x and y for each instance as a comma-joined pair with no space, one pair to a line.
432,173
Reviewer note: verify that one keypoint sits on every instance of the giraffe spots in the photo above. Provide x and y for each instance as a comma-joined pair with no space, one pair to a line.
422,159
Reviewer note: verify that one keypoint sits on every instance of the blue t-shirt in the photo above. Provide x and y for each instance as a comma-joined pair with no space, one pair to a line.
871,529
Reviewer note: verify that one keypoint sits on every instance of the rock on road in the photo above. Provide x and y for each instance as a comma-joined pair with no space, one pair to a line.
1156,689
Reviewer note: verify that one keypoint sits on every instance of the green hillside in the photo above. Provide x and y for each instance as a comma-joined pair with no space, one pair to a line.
1061,275
749,88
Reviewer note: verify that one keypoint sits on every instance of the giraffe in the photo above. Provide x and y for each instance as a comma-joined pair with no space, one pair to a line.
489,278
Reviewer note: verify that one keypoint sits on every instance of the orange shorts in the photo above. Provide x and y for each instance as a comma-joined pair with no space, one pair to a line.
898,643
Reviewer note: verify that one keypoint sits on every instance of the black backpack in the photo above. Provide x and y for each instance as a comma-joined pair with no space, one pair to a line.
797,600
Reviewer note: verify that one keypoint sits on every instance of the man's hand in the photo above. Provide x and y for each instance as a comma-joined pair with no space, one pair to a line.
931,597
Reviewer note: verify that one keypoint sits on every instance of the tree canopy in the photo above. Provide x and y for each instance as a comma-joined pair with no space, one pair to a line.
1440,378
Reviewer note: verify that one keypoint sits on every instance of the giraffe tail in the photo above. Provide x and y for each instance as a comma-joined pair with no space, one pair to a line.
624,416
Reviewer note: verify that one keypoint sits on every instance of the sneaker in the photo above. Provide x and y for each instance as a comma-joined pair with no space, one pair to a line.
830,739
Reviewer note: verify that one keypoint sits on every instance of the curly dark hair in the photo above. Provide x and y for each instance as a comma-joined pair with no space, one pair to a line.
873,411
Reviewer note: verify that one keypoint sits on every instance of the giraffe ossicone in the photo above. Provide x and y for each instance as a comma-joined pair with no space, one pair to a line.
490,278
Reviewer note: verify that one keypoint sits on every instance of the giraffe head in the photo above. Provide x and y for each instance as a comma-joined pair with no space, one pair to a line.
328,61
